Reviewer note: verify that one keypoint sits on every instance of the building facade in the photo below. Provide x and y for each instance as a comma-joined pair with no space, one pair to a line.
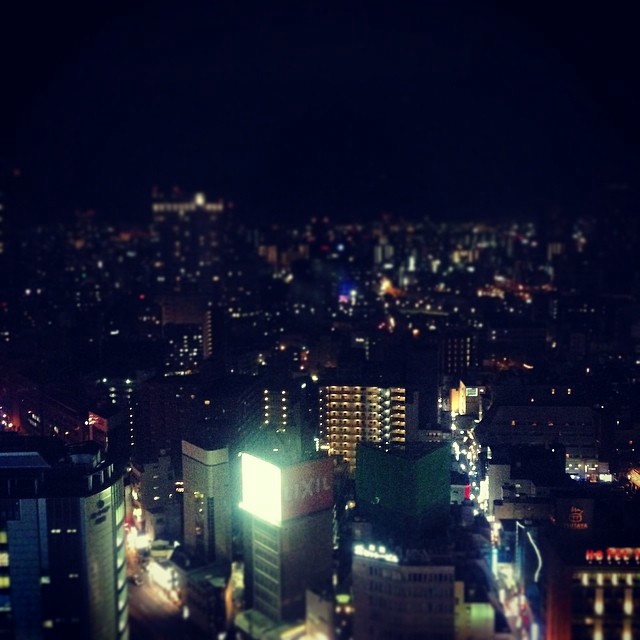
405,491
207,502
401,597
288,535
351,414
62,555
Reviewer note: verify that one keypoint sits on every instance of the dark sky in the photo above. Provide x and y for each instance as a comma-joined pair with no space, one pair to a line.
293,109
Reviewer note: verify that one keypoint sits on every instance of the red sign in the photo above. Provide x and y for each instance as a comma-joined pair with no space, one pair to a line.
307,488
614,554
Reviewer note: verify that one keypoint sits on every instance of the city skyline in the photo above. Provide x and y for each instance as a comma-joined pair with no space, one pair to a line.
319,322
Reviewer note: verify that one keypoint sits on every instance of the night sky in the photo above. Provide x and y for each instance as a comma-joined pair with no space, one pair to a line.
293,109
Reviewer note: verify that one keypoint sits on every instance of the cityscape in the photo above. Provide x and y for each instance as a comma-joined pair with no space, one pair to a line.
325,399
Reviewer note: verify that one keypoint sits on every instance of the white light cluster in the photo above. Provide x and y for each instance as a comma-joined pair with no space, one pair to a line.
375,553
261,489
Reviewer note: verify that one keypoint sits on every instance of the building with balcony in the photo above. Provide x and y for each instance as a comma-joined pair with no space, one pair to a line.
351,414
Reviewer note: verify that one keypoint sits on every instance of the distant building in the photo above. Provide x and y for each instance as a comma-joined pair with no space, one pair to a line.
186,327
524,471
467,400
458,353
573,427
189,240
62,555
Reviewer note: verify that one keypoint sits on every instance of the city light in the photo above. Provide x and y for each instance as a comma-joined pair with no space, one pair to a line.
261,489
375,552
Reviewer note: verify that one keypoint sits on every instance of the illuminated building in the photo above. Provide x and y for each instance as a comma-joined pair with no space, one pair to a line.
62,555
189,240
186,327
458,353
284,405
406,490
154,492
584,569
207,502
184,349
399,594
288,539
467,400
350,415
592,592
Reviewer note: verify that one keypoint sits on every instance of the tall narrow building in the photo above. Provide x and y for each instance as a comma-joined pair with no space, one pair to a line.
62,555
207,502
288,537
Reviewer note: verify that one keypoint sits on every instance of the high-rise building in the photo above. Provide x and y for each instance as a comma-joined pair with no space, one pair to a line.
288,537
62,555
186,327
458,352
189,239
352,414
207,502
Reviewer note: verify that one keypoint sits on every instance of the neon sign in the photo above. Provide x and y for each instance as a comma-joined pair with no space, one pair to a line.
612,555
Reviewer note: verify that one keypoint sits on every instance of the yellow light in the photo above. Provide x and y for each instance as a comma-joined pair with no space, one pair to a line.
598,605
628,602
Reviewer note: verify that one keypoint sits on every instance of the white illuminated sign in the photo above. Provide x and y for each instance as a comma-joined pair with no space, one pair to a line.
261,489
375,553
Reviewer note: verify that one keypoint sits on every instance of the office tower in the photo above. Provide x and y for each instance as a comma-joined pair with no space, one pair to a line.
288,537
207,502
402,594
283,405
184,349
406,490
352,414
458,352
62,556
186,328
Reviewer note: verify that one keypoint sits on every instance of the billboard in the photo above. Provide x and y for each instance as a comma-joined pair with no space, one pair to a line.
276,494
307,487
261,489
